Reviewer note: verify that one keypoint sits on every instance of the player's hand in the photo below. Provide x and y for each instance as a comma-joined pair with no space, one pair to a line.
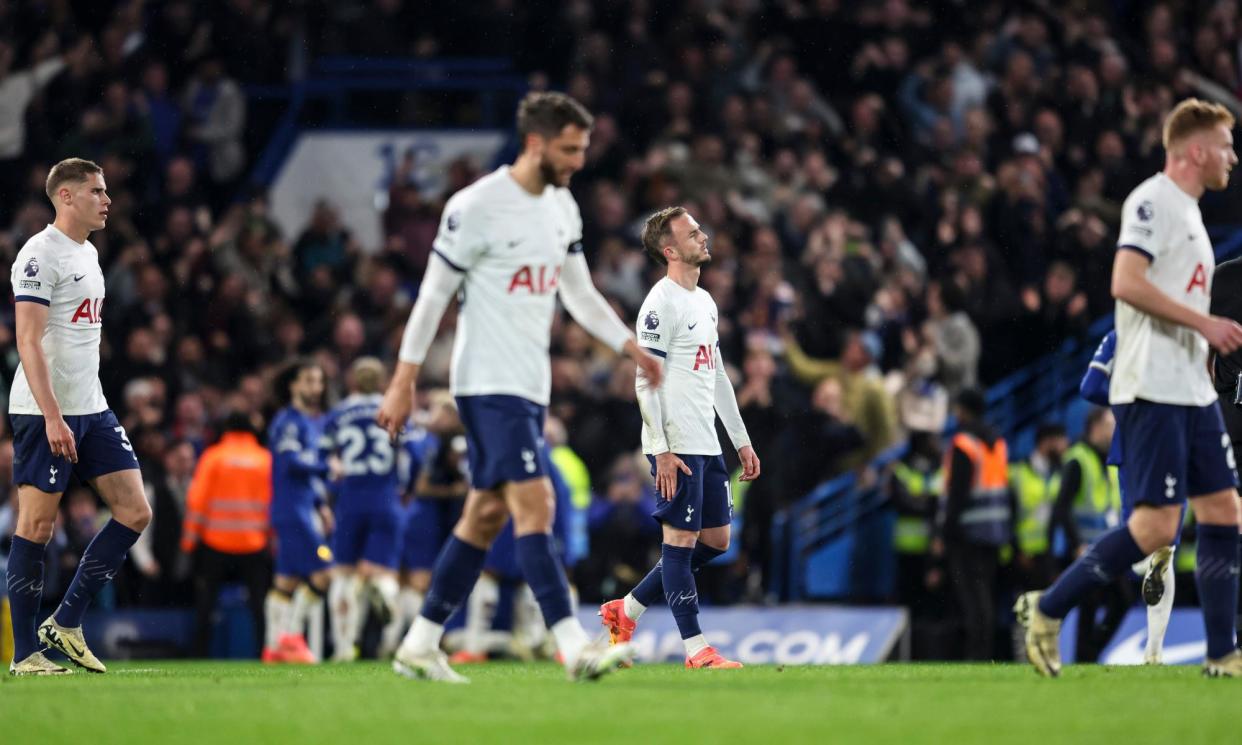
1223,334
667,466
395,409
750,463
60,439
336,469
651,368
329,521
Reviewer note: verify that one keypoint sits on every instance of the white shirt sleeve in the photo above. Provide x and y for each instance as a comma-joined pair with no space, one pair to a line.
587,306
1143,224
654,327
35,273
439,285
461,239
726,406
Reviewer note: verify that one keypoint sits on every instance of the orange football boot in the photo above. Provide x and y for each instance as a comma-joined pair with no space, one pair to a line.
620,626
709,657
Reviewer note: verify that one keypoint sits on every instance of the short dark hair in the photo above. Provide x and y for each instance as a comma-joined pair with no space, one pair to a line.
286,376
546,113
658,229
1094,416
972,401
237,421
73,170
1048,430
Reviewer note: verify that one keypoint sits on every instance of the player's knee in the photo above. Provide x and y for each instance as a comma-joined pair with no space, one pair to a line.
486,521
680,538
37,530
1220,508
136,517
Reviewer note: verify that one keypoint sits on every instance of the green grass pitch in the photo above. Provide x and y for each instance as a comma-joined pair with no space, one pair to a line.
364,703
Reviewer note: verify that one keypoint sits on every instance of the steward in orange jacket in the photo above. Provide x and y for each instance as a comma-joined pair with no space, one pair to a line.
226,528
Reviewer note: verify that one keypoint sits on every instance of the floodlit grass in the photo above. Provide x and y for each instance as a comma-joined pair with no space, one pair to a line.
363,703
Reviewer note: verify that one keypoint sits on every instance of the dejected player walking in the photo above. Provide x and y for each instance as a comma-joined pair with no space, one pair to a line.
677,322
62,423
511,243
1172,439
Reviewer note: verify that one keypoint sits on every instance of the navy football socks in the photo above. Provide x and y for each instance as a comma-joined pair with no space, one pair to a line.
1107,558
1216,576
97,568
650,590
25,582
679,589
546,577
456,571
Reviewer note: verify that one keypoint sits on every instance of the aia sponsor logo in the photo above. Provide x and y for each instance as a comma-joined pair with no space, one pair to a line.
89,311
535,280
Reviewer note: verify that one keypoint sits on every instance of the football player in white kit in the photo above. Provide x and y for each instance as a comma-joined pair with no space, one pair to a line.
62,423
678,323
1172,438
508,245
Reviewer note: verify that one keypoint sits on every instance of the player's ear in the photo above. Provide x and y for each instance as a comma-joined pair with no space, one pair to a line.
534,143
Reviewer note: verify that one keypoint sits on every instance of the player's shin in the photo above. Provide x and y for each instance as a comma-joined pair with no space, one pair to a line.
345,611
25,582
308,609
650,590
546,578
682,595
1108,557
1216,576
98,565
277,609
457,569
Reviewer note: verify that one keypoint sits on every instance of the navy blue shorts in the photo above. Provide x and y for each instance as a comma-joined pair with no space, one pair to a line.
1169,453
428,524
370,536
301,550
504,437
103,448
702,499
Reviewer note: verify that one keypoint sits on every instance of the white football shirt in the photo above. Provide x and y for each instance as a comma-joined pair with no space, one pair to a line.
1156,360
680,325
510,245
57,271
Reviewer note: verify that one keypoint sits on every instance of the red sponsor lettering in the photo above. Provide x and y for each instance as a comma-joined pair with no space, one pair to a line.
704,358
535,280
1198,279
91,311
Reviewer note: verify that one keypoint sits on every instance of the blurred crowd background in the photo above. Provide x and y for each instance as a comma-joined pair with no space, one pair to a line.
905,199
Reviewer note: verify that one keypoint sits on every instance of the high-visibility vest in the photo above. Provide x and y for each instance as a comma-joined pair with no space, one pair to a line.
230,496
1036,497
987,517
1097,506
576,475
912,533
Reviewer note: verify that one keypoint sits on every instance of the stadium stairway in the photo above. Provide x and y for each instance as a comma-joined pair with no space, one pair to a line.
826,545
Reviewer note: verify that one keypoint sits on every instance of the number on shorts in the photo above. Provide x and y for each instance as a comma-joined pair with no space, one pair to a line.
124,438
1227,444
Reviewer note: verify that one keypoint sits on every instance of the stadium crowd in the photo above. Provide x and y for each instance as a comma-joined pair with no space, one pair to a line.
905,200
